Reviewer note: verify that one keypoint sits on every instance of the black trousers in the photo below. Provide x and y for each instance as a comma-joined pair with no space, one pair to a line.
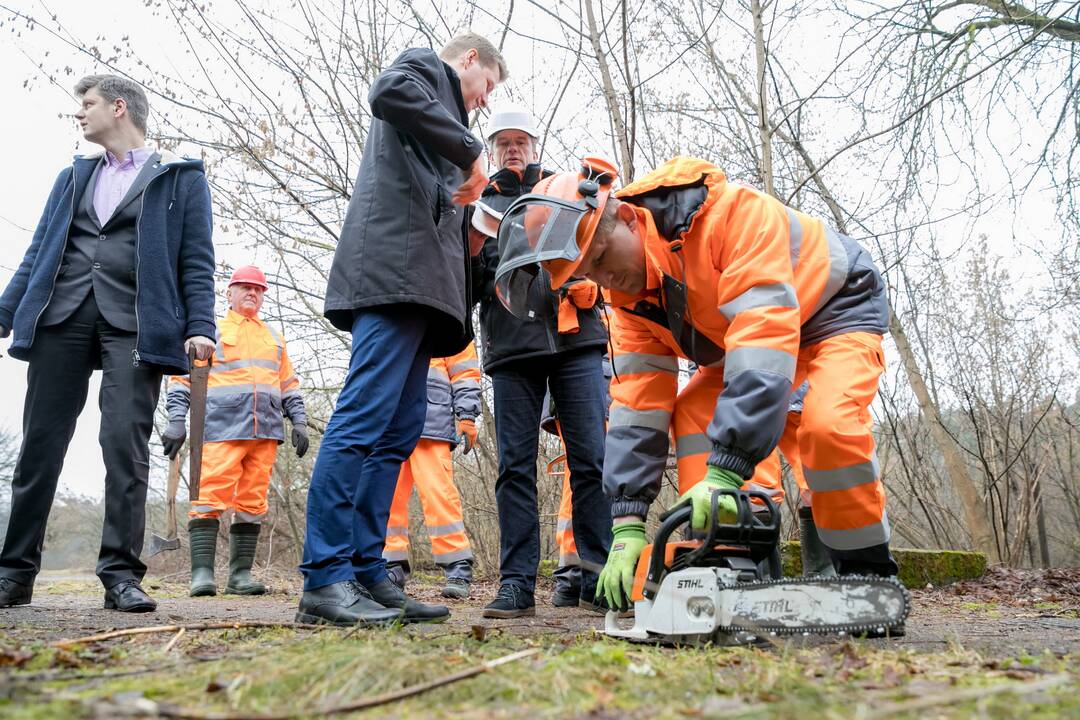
62,357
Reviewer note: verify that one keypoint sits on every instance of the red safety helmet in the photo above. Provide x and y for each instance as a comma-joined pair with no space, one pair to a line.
552,226
248,275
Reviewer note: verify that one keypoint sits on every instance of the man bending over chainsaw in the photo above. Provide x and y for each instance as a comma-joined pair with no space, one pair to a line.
762,298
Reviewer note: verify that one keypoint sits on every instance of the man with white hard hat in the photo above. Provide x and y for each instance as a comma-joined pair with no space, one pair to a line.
560,343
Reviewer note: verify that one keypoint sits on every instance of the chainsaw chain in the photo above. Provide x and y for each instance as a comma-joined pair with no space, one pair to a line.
850,628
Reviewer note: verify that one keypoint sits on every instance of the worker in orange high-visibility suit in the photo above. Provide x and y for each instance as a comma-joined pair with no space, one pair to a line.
453,393
762,298
251,388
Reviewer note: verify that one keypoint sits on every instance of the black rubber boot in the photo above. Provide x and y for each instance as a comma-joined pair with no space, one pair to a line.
815,556
202,536
243,539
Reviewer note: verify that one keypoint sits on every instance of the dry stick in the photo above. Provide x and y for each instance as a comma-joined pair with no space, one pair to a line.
384,699
176,628
929,701
176,638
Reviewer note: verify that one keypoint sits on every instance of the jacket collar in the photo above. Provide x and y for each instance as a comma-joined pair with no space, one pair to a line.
167,157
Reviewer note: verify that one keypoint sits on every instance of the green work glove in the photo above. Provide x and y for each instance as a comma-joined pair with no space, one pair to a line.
700,496
617,578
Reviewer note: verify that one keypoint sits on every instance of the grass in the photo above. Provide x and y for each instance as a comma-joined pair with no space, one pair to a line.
586,675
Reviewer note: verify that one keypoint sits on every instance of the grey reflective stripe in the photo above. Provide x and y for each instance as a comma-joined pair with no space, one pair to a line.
562,525
463,366
656,419
395,555
468,384
843,478
569,559
635,362
761,359
438,373
292,378
220,367
693,444
446,529
795,236
771,492
838,268
242,516
280,341
246,389
206,509
857,538
397,531
455,556
774,295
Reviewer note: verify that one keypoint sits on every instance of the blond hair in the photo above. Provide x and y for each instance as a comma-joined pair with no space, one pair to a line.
486,52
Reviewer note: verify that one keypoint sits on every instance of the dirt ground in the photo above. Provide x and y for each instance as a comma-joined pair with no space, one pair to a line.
1005,613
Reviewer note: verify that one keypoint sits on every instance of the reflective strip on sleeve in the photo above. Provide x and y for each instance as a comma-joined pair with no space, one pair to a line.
843,478
622,416
445,529
838,268
774,295
795,236
634,362
759,358
693,444
245,389
857,538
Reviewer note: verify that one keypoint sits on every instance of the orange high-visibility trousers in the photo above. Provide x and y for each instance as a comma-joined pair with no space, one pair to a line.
431,470
235,474
835,441
789,446
694,408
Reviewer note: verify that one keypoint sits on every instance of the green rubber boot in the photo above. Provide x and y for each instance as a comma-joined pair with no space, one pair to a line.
243,539
815,556
202,536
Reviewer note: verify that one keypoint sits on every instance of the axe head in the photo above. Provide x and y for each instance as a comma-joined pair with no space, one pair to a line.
159,544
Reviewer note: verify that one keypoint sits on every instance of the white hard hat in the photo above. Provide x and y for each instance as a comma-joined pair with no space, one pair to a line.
514,118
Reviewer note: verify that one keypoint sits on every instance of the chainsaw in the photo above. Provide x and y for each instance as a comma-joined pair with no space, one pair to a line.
728,588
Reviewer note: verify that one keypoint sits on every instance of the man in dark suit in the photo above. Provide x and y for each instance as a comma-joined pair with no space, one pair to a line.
119,276
399,284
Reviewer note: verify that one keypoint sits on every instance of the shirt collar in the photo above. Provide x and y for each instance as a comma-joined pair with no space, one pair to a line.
136,158
236,318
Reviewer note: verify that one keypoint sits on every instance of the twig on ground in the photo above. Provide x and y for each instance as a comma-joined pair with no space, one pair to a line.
178,713
175,639
976,693
154,629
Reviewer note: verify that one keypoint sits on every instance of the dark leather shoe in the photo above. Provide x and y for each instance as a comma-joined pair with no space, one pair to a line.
13,593
345,603
127,596
511,602
566,595
390,595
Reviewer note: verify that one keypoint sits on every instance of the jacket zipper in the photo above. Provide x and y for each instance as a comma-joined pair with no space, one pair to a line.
60,262
135,357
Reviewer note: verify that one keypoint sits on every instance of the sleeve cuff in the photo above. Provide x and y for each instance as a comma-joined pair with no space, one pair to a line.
733,461
626,506
200,327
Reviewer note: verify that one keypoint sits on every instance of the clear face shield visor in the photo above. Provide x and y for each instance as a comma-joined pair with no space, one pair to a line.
536,229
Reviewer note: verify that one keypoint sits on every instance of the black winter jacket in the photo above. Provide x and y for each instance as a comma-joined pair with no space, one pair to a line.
505,338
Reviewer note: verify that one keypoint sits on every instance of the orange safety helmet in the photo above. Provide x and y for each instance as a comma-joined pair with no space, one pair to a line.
551,227
248,275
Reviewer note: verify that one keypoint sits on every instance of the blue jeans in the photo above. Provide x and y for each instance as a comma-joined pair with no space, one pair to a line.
577,381
375,426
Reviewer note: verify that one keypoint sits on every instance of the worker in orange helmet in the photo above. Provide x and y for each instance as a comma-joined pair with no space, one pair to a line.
762,298
251,390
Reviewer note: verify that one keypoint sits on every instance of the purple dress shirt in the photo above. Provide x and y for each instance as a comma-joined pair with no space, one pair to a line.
115,180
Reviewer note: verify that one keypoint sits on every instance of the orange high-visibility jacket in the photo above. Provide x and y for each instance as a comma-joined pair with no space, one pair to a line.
251,386
736,280
453,392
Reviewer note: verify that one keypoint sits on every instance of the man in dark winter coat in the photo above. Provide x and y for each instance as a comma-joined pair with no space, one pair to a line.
558,344
399,283
119,276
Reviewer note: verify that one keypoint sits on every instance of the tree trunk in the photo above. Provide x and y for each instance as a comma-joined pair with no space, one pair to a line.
611,98
762,100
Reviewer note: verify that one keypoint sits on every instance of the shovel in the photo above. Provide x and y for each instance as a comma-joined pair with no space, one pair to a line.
160,544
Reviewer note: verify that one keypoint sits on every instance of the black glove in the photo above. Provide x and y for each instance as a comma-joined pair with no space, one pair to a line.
173,438
300,439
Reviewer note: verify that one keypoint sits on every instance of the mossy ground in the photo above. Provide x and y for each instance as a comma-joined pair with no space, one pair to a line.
576,673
